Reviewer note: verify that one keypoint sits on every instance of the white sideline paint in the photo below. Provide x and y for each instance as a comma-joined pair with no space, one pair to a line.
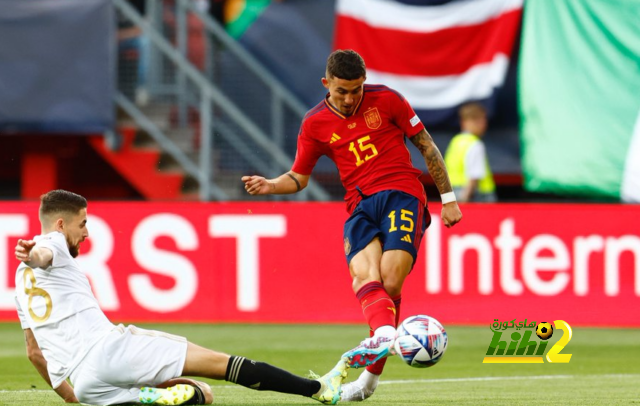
444,380
504,378
26,391
477,379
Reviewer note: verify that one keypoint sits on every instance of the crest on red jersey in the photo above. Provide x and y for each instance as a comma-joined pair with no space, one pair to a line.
373,119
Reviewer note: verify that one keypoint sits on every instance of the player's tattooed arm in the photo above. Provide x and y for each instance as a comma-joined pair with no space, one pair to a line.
451,213
433,159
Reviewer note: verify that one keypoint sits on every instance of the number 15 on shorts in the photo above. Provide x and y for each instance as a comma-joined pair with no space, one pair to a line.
406,221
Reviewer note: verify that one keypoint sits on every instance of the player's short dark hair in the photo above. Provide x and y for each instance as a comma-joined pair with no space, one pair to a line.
346,64
471,110
61,202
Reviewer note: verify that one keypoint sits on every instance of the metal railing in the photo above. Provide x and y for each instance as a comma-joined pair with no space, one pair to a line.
210,132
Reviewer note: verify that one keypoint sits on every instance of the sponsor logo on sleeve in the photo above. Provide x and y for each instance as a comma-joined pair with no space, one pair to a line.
414,121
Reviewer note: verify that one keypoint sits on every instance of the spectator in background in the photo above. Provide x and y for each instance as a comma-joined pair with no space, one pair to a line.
133,49
466,157
194,30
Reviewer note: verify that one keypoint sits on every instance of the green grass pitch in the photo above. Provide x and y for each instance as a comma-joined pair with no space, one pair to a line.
604,368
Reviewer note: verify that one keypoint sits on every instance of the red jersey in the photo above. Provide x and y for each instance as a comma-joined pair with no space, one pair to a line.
368,147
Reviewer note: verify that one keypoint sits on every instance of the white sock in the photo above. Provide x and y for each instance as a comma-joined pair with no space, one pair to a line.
368,380
385,331
360,389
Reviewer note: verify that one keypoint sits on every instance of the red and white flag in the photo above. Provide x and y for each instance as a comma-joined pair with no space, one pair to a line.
437,53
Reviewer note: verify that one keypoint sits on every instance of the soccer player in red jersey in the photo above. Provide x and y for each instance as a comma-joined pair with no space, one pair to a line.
362,128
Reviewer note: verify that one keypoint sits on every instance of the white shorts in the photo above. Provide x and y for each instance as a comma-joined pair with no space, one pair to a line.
127,359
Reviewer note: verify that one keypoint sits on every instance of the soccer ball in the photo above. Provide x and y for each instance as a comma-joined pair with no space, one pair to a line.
420,341
544,330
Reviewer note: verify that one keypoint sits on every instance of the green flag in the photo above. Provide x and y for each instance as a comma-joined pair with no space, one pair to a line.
242,14
579,97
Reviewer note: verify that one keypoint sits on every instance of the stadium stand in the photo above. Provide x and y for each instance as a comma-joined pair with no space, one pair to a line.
249,94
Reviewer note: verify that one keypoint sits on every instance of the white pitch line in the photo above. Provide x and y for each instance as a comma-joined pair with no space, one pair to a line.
443,380
504,378
477,379
26,391
481,379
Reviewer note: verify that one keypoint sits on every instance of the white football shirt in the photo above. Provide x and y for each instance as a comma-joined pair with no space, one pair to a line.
57,304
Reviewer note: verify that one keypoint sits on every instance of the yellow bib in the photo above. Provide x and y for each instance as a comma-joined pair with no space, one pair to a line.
454,159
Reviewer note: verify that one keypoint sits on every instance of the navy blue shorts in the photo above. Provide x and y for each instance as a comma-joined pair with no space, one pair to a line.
397,218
